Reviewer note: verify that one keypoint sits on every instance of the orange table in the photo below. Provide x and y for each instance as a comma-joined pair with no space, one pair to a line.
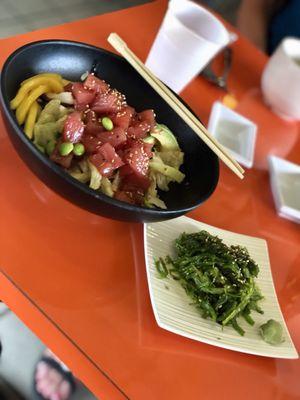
78,280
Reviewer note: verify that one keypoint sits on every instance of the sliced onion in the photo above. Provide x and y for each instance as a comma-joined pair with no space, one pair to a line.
64,97
84,76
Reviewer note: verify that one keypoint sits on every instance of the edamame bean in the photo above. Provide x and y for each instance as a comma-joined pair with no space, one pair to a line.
107,123
65,148
78,149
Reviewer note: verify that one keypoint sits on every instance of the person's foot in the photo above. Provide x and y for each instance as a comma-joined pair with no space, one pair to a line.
52,383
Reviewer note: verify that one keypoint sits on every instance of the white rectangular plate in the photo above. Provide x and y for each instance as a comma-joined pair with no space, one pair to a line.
285,185
233,131
171,305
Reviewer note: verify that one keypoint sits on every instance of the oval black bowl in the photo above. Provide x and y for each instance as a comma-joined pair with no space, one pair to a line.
71,59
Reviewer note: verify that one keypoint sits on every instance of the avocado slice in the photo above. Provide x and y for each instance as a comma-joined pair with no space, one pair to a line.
165,137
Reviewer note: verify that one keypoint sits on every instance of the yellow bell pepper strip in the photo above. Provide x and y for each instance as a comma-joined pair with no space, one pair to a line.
31,119
44,74
24,107
53,83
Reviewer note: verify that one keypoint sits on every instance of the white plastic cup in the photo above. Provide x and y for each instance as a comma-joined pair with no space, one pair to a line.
281,80
188,39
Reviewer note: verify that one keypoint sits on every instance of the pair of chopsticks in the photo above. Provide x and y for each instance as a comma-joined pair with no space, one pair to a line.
189,118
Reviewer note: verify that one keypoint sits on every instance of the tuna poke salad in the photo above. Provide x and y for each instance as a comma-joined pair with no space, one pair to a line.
89,129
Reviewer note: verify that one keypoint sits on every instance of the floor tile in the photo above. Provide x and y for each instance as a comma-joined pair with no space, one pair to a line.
19,16
30,6
42,21
5,11
11,26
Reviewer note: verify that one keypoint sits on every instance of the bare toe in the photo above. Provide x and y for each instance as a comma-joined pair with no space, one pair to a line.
51,383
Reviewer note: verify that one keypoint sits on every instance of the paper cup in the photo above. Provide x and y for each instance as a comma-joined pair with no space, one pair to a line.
188,39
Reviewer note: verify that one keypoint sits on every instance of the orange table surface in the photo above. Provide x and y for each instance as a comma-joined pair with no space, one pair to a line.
78,280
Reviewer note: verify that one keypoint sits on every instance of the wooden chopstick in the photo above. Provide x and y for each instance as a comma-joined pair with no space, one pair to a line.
179,103
175,104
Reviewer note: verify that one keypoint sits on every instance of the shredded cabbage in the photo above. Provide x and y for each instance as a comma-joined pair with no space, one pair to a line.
87,172
96,177
157,165
64,97
50,123
151,197
50,113
84,165
162,181
83,177
60,123
164,168
165,164
106,187
116,182
43,133
174,158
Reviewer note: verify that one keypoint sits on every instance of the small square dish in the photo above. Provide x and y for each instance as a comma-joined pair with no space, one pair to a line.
235,132
285,185
171,305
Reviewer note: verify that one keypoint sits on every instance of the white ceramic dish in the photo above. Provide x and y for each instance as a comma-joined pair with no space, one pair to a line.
285,185
233,131
171,305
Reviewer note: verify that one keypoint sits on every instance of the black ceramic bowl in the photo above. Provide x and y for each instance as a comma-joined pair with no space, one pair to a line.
71,59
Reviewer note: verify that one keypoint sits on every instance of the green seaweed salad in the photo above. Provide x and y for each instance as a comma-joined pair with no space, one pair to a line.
219,279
